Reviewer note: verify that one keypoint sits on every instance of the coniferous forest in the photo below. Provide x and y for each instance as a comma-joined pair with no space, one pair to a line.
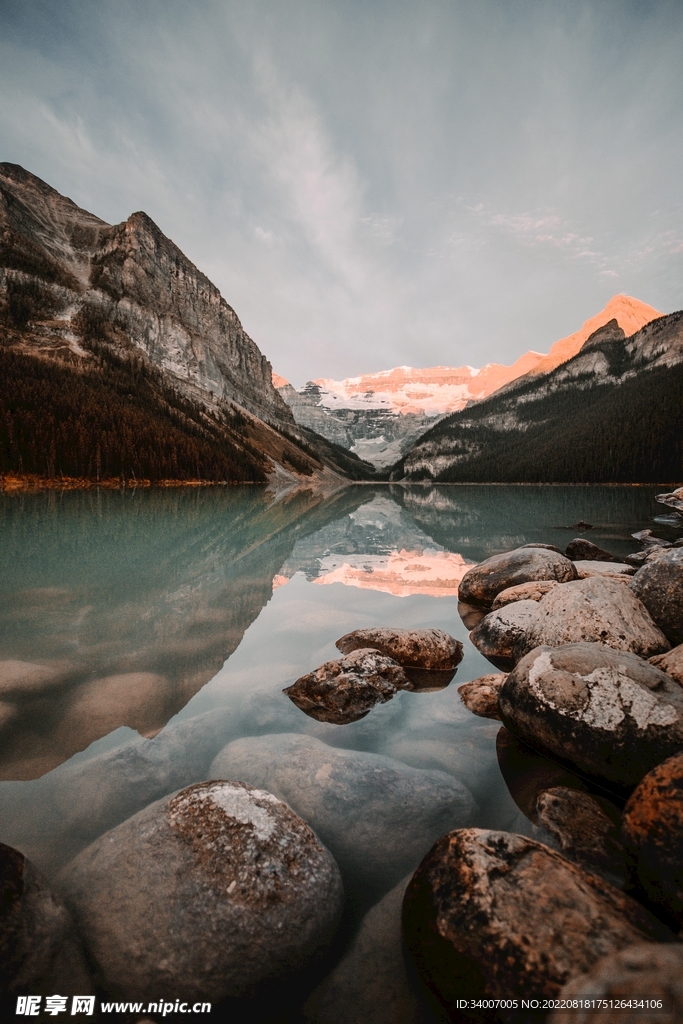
625,432
115,419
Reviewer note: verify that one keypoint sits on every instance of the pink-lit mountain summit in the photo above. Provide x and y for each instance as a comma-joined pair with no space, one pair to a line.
436,390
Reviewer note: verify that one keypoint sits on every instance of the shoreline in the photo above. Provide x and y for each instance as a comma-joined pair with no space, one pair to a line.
29,483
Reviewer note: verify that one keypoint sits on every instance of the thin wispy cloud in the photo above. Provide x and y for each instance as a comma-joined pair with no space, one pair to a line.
371,185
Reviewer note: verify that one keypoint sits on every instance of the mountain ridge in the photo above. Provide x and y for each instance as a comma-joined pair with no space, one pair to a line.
86,294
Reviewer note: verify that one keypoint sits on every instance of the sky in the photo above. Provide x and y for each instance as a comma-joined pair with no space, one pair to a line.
371,183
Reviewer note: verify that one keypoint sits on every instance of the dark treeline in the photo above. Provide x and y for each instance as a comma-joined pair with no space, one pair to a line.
628,432
116,419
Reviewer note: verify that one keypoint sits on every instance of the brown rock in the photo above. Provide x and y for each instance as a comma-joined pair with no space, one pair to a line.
608,713
39,950
499,916
659,585
671,663
533,591
346,690
585,832
170,900
470,614
653,834
412,648
482,582
646,971
481,695
580,549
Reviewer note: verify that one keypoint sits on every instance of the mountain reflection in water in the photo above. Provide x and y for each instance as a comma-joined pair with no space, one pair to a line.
118,608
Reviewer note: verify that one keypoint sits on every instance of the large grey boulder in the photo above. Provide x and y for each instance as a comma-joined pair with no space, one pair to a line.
377,816
595,610
215,892
40,952
659,585
482,582
345,690
645,977
496,916
608,713
429,649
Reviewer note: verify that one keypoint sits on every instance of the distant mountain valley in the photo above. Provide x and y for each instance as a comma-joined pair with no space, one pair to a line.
380,416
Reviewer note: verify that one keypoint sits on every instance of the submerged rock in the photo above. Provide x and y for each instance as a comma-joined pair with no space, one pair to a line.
584,831
481,695
671,663
580,549
171,900
430,649
643,972
533,591
346,690
592,610
481,583
40,952
653,833
499,916
659,585
608,713
370,982
377,816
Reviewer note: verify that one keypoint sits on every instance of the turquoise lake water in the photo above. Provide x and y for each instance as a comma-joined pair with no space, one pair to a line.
164,624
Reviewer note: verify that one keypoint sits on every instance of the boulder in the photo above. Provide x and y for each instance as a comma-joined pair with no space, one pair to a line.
523,592
504,635
659,585
674,500
370,982
377,816
346,690
612,570
671,663
40,952
584,831
499,916
216,892
653,833
592,610
481,695
608,713
540,544
470,614
430,649
581,549
645,972
648,539
482,582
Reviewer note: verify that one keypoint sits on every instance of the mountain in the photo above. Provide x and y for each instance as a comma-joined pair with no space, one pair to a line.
119,357
611,413
379,416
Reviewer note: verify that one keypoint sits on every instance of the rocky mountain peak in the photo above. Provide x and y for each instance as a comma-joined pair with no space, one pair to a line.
609,333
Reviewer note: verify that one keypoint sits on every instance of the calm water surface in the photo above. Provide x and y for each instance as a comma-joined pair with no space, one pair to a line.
141,632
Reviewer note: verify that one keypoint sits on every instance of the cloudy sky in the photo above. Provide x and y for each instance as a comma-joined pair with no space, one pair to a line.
371,182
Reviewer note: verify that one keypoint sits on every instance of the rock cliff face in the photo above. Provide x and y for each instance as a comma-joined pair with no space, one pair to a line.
380,416
133,276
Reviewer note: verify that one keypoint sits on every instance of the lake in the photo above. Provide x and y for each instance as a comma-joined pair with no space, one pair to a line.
140,632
